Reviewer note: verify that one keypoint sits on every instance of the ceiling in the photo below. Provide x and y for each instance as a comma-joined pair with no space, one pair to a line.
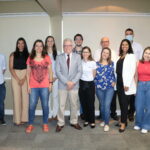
53,7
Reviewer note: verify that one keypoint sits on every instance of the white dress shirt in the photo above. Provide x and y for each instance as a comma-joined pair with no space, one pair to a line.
2,67
97,55
88,68
137,49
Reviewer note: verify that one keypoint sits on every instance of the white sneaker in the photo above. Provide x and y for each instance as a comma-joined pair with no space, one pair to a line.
102,124
144,131
106,128
137,128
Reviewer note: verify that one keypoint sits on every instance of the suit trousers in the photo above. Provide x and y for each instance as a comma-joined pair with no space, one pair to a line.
64,95
21,98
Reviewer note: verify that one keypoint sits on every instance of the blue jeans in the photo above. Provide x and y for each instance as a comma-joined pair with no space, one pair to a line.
43,94
105,98
142,105
2,98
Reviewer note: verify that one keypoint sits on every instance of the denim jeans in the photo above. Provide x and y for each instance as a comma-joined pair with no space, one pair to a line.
142,105
2,98
43,94
105,98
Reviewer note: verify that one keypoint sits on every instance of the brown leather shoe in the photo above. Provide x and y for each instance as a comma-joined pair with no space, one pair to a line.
59,128
76,126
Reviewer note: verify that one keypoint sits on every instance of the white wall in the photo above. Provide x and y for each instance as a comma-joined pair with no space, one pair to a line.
31,27
94,27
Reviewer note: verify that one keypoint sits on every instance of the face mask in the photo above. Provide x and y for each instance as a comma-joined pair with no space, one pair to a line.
129,37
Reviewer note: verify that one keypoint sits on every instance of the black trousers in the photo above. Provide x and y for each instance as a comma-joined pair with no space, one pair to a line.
124,102
113,105
87,100
131,105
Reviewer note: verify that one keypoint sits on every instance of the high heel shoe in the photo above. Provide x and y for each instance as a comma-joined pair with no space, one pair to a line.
121,130
85,124
122,127
119,124
92,125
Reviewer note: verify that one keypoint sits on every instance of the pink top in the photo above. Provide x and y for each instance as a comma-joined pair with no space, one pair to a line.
144,71
39,77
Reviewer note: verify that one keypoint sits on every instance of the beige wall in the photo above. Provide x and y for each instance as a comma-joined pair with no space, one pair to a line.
94,28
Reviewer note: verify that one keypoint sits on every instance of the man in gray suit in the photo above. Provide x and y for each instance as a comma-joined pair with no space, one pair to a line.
68,71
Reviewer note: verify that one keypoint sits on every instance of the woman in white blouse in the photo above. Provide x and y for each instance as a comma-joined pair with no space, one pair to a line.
87,87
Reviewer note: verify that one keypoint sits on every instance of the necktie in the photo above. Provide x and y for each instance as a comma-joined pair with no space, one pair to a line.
68,61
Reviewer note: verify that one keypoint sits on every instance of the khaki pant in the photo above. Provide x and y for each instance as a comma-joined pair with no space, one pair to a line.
21,99
73,97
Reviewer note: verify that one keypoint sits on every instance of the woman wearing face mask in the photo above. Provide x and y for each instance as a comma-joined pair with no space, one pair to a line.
142,102
105,82
17,66
52,52
39,77
125,69
87,87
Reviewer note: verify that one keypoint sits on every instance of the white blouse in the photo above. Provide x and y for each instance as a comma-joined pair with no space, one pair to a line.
88,68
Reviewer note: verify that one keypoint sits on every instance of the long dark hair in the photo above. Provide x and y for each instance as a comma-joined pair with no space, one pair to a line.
130,50
33,52
25,50
142,60
109,58
88,48
54,49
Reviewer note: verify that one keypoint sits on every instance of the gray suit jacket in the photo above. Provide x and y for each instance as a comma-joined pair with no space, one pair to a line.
75,70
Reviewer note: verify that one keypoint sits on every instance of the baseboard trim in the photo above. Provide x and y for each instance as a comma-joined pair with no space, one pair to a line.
39,112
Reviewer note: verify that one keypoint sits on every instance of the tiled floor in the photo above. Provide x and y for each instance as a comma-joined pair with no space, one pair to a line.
15,138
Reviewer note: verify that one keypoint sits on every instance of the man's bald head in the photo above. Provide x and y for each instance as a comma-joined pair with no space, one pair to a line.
104,42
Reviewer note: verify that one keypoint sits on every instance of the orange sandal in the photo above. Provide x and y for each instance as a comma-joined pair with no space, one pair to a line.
29,129
45,128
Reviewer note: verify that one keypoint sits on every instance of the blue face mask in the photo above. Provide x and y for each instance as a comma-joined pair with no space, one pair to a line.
129,37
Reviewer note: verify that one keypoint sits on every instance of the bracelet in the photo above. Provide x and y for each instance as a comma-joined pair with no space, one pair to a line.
51,82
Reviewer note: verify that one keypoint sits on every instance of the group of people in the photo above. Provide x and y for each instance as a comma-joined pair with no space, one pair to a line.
75,75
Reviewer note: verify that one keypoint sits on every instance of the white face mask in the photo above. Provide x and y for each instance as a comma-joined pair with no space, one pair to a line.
129,37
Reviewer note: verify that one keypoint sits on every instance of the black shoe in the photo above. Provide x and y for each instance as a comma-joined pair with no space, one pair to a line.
2,122
116,118
85,124
92,125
